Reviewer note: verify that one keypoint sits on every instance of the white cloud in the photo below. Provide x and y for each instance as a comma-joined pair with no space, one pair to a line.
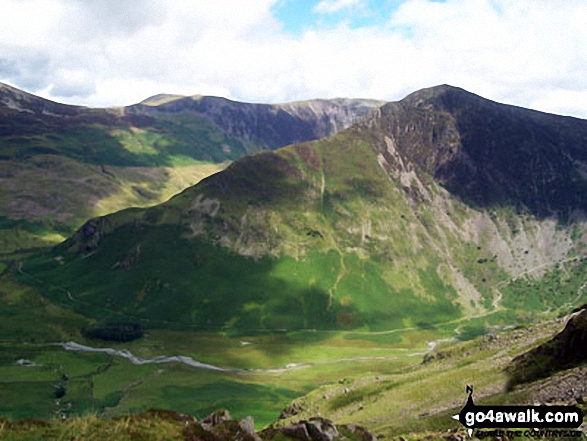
107,52
331,6
512,50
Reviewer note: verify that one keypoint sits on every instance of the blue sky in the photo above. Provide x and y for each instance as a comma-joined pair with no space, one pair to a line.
531,53
299,16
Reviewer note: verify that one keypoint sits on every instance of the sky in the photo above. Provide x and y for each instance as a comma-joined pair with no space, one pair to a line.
531,53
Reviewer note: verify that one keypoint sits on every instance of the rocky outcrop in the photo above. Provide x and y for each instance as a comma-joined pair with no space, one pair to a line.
221,430
217,417
291,410
319,429
88,237
563,351
568,387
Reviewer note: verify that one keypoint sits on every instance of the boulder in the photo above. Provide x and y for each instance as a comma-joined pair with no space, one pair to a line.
321,429
297,431
217,417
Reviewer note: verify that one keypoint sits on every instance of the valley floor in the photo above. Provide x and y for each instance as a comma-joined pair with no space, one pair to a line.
396,382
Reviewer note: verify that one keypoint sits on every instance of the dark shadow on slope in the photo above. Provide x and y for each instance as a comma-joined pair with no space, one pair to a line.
521,158
490,154
140,141
185,285
565,350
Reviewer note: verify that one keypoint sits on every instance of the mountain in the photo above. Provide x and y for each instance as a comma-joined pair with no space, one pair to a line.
440,206
138,155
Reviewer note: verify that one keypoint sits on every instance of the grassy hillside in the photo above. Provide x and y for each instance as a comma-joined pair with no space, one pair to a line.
287,253
57,175
418,402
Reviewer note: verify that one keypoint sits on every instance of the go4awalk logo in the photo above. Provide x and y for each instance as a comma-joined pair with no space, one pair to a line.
532,417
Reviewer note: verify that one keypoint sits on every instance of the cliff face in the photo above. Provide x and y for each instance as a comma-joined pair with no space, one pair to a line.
487,153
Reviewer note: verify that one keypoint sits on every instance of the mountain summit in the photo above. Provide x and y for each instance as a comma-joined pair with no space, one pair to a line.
488,153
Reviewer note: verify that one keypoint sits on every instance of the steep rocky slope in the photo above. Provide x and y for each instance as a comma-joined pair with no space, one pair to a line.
487,153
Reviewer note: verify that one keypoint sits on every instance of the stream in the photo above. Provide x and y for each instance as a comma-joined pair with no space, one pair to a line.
72,346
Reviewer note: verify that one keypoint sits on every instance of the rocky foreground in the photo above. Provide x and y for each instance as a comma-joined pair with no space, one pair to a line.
169,425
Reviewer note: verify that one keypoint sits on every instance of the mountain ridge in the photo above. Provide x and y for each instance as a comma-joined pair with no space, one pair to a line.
257,123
